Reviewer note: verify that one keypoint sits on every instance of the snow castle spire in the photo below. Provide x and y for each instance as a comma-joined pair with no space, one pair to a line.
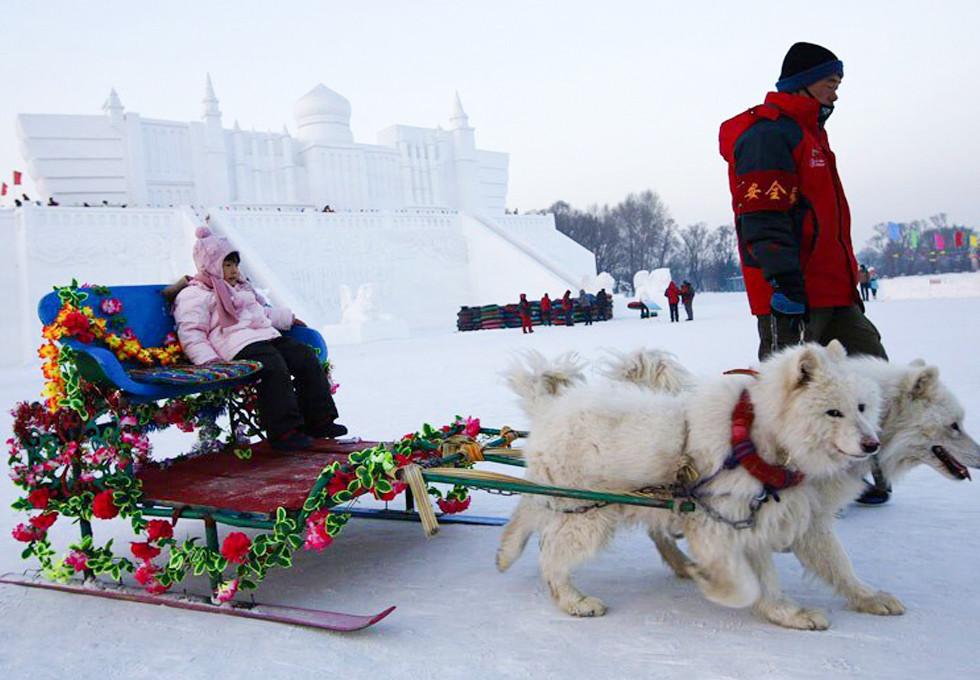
113,107
210,101
459,118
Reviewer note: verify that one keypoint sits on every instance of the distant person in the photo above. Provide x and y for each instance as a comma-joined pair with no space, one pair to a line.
873,282
687,297
51,202
17,203
524,309
220,317
567,308
545,310
864,281
602,304
792,219
585,304
27,199
673,295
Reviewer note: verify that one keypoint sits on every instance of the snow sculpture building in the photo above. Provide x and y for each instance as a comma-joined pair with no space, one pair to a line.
123,157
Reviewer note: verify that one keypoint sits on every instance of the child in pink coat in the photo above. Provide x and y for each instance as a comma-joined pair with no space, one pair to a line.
220,317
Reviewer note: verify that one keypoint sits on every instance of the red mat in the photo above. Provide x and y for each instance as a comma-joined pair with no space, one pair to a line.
268,480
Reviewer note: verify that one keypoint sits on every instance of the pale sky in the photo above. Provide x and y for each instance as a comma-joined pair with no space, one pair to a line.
591,99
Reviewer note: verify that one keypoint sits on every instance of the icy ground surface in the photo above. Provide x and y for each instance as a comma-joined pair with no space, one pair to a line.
458,618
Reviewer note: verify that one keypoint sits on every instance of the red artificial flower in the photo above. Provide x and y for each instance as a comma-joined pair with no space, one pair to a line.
451,505
39,498
158,528
339,481
236,547
43,522
102,505
77,325
145,573
24,534
77,560
157,588
143,551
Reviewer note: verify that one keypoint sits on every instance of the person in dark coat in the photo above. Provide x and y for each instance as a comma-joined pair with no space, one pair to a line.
602,304
673,295
546,310
687,297
524,309
864,281
585,304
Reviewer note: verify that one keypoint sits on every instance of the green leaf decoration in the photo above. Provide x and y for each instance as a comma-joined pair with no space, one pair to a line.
342,496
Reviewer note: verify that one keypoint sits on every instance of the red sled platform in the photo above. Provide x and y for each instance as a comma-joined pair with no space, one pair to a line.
268,480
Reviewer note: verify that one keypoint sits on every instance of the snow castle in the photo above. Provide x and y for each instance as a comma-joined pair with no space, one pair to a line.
418,218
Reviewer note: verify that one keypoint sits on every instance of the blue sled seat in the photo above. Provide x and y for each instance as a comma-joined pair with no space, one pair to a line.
148,315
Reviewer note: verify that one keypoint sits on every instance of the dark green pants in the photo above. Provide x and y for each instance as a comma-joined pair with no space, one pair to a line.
849,325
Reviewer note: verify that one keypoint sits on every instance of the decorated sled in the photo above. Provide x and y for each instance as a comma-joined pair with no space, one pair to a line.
115,373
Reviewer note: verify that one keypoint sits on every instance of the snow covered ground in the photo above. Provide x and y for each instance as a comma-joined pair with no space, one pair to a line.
458,618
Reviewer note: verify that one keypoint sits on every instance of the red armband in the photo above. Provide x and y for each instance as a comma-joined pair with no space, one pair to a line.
765,190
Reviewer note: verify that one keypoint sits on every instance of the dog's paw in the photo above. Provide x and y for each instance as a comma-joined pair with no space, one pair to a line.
881,604
504,560
801,619
587,606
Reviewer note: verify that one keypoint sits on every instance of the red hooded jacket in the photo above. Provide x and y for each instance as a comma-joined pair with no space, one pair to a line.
673,293
791,215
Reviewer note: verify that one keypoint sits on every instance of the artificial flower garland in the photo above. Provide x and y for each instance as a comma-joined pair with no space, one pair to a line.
79,321
91,478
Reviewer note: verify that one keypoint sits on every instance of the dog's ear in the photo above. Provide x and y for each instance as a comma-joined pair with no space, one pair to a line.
917,362
920,382
808,364
836,349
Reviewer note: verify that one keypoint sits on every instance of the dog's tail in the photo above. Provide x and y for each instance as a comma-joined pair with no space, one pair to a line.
653,369
536,379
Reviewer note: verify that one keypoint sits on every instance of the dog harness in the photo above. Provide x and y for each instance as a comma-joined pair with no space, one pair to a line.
774,478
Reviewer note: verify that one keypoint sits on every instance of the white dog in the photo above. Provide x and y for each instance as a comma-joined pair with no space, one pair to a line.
809,414
921,424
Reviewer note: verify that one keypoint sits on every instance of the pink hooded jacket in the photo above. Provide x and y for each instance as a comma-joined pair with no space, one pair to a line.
197,313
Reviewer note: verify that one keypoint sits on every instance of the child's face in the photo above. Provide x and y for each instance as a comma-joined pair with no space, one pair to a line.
229,271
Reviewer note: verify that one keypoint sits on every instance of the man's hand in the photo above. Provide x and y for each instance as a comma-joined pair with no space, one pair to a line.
784,306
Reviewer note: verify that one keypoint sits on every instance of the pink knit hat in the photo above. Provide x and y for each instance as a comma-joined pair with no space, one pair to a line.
210,252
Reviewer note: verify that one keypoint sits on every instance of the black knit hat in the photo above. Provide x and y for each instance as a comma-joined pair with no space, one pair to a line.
805,64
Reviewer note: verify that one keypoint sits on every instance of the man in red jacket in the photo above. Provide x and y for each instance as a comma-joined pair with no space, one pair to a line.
791,215
673,295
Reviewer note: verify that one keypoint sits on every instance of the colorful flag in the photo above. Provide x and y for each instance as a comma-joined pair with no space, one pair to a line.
958,238
3,189
973,240
16,177
939,240
914,238
894,232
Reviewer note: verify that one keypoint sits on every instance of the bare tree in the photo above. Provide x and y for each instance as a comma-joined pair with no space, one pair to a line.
695,241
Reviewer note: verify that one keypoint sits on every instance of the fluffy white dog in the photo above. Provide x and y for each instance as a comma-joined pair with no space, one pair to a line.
810,417
921,424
